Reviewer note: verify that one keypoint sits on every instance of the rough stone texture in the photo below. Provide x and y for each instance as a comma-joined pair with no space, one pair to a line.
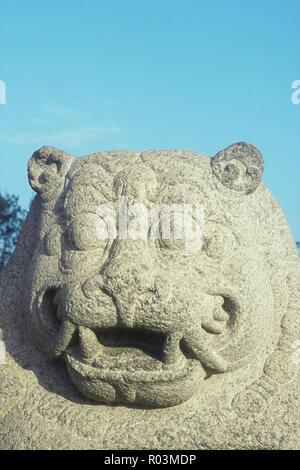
145,344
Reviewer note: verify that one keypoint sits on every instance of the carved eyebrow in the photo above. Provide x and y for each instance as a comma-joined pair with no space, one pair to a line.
84,211
88,203
101,192
191,188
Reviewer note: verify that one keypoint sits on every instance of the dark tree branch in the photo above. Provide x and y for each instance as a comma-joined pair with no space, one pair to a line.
11,220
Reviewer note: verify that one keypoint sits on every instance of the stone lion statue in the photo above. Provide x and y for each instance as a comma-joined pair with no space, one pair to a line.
132,337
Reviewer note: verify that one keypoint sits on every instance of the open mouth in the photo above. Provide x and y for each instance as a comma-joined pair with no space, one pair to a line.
136,364
134,354
131,341
114,351
132,366
122,351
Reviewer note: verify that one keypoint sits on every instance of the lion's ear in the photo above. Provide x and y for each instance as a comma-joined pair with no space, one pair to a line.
239,167
47,169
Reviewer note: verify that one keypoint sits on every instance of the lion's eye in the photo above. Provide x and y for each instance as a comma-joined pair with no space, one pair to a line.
214,245
88,232
218,241
183,233
170,232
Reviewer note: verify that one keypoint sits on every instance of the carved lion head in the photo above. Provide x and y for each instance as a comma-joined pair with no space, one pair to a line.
146,319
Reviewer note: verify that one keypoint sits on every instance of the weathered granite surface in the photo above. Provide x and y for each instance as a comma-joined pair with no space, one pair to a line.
147,343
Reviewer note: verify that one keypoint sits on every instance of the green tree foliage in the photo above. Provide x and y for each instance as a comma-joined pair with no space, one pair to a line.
11,220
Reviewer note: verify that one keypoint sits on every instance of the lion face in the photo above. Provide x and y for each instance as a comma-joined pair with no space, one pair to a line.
144,318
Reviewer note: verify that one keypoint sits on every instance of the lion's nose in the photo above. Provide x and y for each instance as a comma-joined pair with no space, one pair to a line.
129,273
131,269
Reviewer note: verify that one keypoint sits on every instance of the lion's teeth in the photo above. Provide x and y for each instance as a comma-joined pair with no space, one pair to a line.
64,337
88,342
171,350
195,342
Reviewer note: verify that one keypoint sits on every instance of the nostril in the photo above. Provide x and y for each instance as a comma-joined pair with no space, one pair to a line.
230,307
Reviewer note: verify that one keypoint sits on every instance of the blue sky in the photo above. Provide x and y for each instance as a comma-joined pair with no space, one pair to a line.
95,75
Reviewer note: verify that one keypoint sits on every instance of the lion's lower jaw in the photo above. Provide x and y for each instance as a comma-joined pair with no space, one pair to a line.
170,387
